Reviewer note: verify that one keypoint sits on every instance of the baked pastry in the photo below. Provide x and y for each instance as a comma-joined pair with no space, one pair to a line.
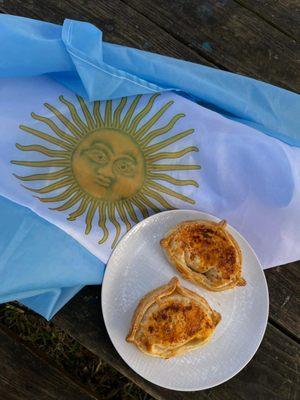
205,253
172,320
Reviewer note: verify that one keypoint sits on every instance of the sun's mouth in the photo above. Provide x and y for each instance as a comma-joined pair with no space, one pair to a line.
104,181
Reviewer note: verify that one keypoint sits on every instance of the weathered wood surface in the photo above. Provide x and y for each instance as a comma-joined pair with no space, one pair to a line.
284,290
26,376
283,14
230,35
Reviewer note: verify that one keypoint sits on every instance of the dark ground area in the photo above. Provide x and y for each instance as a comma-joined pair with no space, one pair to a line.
68,355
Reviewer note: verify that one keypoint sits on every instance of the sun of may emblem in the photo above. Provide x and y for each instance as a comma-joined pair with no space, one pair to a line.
107,165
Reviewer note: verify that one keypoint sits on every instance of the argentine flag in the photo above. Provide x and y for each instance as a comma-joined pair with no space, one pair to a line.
78,170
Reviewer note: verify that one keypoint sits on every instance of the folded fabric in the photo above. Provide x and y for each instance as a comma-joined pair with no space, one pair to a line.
75,55
95,168
40,265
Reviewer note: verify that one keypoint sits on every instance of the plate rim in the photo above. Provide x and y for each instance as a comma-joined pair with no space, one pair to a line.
169,387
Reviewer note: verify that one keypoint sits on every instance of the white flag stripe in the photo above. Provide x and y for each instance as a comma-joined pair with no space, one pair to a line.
96,169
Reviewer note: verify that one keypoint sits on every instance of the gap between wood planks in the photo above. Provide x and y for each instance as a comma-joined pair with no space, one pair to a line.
274,25
241,4
282,329
210,60
232,61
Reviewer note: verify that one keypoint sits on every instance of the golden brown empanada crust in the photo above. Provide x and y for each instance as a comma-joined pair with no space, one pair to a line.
172,320
205,253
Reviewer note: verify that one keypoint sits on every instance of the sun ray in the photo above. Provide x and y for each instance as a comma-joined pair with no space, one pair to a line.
108,114
60,197
61,134
45,177
76,118
173,167
174,154
43,150
112,217
48,163
170,179
102,208
97,114
148,125
161,131
131,211
86,112
123,216
149,203
137,119
69,203
65,121
118,112
156,196
80,210
170,192
46,137
143,209
53,186
126,120
90,216
158,146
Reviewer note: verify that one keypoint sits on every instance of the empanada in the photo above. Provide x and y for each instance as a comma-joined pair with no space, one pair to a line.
172,320
205,253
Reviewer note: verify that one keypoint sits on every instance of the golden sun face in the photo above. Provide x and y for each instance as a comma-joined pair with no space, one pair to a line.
107,166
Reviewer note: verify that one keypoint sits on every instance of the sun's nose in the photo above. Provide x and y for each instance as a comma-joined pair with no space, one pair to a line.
106,172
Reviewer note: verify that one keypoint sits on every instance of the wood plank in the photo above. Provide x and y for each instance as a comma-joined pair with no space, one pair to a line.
283,14
25,375
230,35
119,23
272,372
283,283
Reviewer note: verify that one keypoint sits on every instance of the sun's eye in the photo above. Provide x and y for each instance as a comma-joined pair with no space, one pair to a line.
125,166
97,156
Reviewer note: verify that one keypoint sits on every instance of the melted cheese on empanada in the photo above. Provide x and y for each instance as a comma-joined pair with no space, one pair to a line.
172,320
205,253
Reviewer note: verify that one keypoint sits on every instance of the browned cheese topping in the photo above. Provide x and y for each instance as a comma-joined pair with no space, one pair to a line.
176,323
212,247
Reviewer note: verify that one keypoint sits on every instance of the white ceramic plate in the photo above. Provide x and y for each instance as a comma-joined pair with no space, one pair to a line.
138,265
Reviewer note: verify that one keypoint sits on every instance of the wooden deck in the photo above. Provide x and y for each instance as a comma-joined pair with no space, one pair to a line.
257,38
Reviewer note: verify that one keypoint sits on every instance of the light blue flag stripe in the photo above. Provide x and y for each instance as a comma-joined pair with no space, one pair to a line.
49,303
29,244
76,56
